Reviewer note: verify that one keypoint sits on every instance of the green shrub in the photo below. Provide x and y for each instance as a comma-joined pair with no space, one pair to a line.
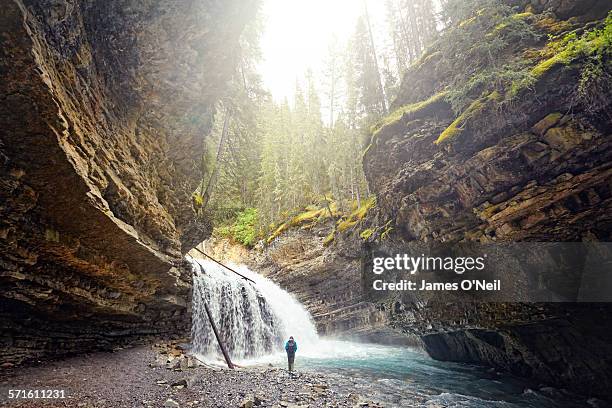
244,229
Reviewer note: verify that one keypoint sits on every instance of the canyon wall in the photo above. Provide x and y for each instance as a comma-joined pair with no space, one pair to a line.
534,164
104,109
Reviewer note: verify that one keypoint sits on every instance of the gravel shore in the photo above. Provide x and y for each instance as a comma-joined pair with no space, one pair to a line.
162,376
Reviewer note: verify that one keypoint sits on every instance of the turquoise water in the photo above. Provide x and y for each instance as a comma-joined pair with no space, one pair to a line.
400,376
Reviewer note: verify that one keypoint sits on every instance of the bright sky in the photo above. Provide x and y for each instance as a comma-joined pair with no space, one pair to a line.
297,34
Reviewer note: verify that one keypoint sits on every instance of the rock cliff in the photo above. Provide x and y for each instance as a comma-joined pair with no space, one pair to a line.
104,108
533,164
527,163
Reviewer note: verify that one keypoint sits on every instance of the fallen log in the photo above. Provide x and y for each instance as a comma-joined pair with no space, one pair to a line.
225,266
206,364
214,327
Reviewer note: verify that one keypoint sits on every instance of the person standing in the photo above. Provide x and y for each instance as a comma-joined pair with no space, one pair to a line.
290,348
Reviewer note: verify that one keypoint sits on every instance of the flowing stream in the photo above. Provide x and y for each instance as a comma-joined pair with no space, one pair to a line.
256,319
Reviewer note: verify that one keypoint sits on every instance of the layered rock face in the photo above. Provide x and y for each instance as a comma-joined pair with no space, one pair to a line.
536,167
104,109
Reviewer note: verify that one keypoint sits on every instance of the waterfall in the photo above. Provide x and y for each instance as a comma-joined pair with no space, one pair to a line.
254,319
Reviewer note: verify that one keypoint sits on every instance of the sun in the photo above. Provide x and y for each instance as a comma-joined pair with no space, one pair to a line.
298,34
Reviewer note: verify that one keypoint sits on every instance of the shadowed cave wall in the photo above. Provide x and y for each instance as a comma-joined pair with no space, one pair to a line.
104,109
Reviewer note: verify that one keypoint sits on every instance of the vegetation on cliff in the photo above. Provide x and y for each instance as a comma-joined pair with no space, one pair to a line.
244,230
492,53
282,160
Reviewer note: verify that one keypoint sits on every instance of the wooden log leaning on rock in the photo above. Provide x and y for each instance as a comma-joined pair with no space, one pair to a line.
225,266
214,327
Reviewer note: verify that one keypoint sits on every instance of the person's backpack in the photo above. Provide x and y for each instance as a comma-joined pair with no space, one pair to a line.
291,346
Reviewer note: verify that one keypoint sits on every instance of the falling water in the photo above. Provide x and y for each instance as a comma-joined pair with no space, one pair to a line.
253,319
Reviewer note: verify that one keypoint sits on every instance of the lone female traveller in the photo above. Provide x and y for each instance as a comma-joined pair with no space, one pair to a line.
290,348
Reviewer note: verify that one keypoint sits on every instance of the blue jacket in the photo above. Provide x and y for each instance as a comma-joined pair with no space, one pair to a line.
291,349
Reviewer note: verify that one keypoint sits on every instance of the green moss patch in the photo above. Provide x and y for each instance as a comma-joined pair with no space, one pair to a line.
549,121
456,126
308,216
282,228
198,200
313,214
515,17
329,239
366,233
570,48
475,108
344,225
357,215
387,229
552,25
409,112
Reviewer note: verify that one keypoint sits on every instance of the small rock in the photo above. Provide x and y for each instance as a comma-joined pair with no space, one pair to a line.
173,364
180,383
170,403
247,402
191,362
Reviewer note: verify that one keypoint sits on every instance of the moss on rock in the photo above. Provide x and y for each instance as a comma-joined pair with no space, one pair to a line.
569,48
329,239
549,121
409,112
455,127
366,233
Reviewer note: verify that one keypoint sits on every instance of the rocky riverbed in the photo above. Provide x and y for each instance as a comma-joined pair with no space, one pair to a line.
162,376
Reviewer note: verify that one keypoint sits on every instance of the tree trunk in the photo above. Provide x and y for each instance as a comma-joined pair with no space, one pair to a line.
213,176
405,35
416,36
383,99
